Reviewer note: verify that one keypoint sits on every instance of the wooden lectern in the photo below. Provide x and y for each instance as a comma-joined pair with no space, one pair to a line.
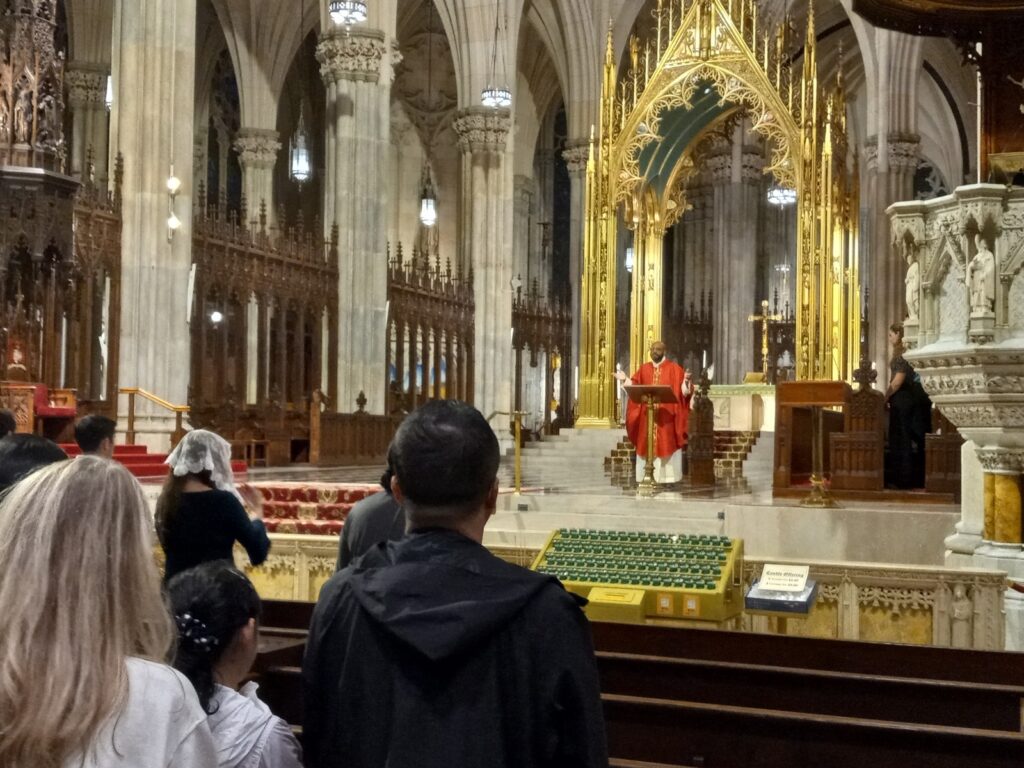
650,395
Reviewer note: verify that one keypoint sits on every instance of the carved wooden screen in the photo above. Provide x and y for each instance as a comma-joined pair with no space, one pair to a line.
60,253
689,335
94,297
263,324
430,332
542,344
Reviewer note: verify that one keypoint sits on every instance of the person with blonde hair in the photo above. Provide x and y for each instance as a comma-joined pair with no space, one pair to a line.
85,630
200,513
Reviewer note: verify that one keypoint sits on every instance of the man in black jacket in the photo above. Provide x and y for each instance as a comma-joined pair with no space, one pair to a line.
430,651
371,520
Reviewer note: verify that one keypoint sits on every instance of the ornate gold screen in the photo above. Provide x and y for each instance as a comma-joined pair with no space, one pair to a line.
696,43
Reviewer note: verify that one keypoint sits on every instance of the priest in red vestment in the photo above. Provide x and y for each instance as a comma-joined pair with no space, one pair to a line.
670,419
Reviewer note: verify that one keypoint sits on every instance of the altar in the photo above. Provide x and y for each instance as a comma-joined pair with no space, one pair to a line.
744,407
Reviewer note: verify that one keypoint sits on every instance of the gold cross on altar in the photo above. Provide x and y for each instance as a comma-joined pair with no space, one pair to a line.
765,318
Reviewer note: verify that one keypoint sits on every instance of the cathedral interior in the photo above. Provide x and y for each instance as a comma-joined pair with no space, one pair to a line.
293,223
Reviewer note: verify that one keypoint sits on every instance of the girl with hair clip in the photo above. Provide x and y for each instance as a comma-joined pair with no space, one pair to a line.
85,630
200,514
216,610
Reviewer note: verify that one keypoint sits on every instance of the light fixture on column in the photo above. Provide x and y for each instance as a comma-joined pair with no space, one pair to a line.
494,95
781,196
428,197
629,259
173,187
300,169
108,95
345,13
428,200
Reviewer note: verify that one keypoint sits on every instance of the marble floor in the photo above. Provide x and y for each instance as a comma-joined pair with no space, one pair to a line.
855,531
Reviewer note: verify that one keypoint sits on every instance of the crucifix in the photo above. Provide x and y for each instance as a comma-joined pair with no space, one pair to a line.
764,318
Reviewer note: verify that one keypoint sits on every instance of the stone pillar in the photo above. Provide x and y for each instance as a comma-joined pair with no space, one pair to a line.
486,243
257,154
736,177
154,73
522,232
356,69
889,179
87,90
575,156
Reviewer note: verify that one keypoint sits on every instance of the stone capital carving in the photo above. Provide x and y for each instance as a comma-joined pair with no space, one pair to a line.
902,150
1001,460
720,168
753,167
257,148
87,85
353,56
480,129
576,156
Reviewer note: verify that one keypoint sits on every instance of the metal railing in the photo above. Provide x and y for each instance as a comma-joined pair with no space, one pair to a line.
517,420
178,410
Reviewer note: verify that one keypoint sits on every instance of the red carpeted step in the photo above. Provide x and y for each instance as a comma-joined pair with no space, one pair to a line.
310,508
145,465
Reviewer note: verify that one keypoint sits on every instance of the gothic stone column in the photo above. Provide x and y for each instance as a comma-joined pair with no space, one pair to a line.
521,231
87,90
356,68
154,72
485,244
257,154
575,156
889,180
736,178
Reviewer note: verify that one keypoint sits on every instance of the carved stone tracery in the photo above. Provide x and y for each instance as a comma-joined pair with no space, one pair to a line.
31,86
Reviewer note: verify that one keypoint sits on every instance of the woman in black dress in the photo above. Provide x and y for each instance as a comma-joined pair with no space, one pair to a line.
200,514
909,419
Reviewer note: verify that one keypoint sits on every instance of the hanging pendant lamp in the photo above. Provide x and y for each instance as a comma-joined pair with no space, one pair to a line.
300,168
345,13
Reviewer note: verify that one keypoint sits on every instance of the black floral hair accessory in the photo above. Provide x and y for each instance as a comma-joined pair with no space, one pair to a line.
194,633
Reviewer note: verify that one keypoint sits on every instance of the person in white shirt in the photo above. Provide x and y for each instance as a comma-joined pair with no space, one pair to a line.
216,609
85,629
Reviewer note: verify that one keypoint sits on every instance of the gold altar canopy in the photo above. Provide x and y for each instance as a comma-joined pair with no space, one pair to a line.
698,48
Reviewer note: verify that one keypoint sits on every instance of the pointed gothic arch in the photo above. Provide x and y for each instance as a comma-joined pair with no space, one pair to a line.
698,48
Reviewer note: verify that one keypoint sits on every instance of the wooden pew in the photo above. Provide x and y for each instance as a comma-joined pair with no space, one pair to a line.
678,733
689,697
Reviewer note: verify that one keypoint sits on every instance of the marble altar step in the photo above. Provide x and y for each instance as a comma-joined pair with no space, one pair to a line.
573,459
758,465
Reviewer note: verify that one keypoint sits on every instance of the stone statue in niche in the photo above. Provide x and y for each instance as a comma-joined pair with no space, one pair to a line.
982,276
5,118
913,284
22,116
962,616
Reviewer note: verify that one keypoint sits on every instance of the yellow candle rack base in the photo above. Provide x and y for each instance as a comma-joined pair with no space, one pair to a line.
635,577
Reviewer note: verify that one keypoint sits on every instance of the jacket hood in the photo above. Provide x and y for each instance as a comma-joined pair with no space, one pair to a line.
441,593
241,724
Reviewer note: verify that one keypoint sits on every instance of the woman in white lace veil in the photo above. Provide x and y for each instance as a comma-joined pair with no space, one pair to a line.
201,513
201,450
